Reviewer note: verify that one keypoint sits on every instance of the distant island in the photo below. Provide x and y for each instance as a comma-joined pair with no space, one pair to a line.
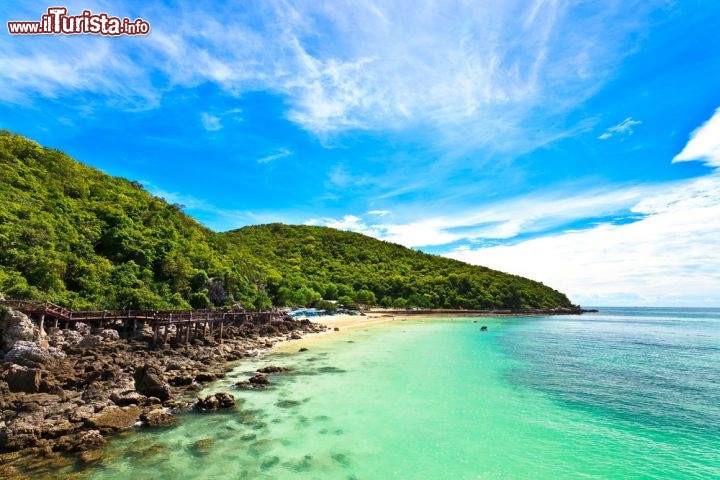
85,240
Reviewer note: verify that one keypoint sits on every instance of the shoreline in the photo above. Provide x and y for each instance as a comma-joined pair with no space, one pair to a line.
64,392
344,323
206,363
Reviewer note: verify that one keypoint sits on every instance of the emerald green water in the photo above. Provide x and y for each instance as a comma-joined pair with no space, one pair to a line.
620,394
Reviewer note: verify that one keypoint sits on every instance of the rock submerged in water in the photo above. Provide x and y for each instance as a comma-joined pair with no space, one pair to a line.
259,380
215,401
272,369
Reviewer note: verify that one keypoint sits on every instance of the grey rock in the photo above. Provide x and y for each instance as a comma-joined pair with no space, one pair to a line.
90,341
32,355
18,327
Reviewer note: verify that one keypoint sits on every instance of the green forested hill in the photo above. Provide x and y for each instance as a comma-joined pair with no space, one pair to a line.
336,264
79,237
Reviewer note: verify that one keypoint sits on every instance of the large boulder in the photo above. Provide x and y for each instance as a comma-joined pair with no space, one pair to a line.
32,355
18,327
109,334
89,440
159,417
64,338
23,379
115,418
90,341
82,328
150,381
215,401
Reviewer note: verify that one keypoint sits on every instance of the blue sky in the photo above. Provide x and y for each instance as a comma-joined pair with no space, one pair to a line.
576,143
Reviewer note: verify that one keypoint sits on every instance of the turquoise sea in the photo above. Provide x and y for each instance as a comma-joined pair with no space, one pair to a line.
621,394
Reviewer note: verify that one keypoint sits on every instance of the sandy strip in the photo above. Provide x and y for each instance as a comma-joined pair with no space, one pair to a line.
344,324
349,323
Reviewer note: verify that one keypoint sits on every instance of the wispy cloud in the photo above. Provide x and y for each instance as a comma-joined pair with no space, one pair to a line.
283,152
533,213
622,129
493,72
704,143
669,256
210,122
379,213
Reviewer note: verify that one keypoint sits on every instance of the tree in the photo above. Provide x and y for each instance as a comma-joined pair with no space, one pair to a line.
365,297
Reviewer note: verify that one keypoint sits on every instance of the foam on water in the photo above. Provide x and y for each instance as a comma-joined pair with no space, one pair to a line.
619,394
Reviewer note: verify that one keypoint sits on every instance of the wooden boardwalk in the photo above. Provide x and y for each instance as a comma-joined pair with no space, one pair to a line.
186,324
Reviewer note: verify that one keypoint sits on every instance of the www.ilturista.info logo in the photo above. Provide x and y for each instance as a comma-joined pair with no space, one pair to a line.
58,22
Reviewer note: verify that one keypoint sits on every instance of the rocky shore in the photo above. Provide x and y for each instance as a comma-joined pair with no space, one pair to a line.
62,392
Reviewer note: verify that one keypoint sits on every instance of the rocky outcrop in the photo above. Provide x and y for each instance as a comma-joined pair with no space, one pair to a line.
109,334
90,341
32,355
150,381
215,401
56,396
259,380
272,369
89,440
115,418
23,379
159,417
18,327
64,338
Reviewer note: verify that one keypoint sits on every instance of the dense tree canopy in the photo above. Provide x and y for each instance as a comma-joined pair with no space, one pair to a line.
79,237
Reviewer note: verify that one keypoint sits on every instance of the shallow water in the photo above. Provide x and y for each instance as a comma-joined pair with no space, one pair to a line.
625,393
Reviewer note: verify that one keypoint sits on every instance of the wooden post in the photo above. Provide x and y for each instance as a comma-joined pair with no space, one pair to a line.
42,323
166,330
155,329
222,324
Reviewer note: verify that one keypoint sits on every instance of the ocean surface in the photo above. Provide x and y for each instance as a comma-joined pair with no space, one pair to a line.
620,394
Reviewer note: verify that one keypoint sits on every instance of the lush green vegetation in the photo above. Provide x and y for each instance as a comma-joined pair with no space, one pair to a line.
302,263
79,237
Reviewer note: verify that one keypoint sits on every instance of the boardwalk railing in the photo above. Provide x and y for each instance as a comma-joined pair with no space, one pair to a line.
184,321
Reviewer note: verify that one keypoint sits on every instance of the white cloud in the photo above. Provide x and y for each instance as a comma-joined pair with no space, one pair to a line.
624,128
670,257
536,212
479,72
704,143
379,213
283,152
210,122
